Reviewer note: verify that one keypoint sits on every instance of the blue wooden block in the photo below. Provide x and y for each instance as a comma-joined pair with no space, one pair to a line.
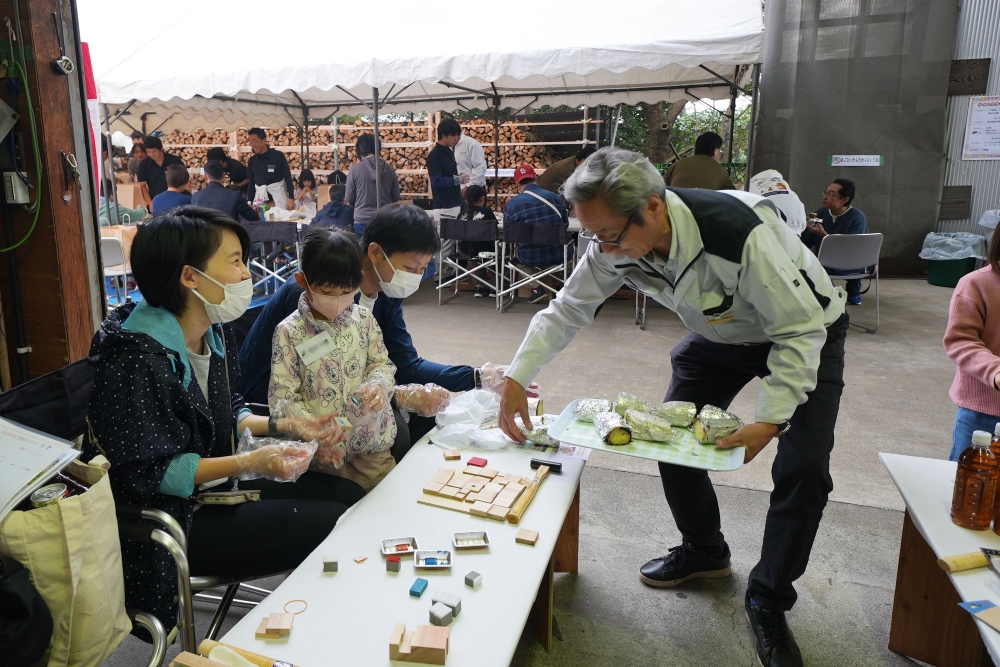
418,587
430,561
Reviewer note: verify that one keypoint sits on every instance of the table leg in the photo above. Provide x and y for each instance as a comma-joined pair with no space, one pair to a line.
927,623
540,616
567,550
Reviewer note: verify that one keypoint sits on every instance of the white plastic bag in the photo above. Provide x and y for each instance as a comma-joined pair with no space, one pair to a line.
953,245
463,436
990,219
473,408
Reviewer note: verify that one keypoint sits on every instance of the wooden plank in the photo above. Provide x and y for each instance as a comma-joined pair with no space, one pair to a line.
956,202
540,616
566,555
969,77
443,503
927,623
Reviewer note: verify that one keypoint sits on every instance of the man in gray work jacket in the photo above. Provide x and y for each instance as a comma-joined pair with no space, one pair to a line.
758,304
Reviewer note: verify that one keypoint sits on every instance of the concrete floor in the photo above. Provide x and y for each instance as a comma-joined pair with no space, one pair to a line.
896,400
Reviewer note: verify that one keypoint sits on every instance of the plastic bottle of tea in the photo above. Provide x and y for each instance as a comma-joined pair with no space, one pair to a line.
975,483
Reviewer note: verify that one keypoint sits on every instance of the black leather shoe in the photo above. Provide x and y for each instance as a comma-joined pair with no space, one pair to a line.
775,644
683,563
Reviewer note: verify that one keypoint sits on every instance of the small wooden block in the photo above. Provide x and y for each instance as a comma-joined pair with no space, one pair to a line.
360,559
263,633
452,455
525,536
486,472
477,461
330,564
433,487
460,496
448,599
460,479
280,623
426,644
478,472
441,614
477,486
418,587
402,547
185,659
497,513
480,509
473,580
442,476
490,492
449,492
444,503
510,493
392,563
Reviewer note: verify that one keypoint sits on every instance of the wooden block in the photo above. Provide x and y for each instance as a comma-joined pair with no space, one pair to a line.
440,614
480,472
460,479
433,487
360,559
477,486
392,564
468,488
418,587
452,455
480,509
473,580
497,513
525,536
330,564
486,472
489,492
510,493
280,623
442,476
262,632
477,461
185,659
448,599
444,503
449,492
460,496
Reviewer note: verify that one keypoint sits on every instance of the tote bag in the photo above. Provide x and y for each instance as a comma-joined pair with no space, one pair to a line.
72,550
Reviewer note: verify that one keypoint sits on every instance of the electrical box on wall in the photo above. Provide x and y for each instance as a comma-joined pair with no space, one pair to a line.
14,188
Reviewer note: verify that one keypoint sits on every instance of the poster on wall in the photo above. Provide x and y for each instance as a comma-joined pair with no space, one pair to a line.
982,129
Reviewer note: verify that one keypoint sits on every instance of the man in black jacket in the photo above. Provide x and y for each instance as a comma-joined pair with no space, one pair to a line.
153,170
214,195
233,168
268,167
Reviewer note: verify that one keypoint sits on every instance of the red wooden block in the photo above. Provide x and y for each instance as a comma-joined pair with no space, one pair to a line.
393,559
402,547
477,461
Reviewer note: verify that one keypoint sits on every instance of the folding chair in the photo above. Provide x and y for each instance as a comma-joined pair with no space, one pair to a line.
113,259
288,233
519,275
473,231
846,252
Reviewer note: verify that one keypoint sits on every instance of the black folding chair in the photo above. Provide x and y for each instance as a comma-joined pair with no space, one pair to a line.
514,275
471,231
265,236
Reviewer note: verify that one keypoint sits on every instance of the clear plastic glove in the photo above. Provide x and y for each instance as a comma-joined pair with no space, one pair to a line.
493,375
425,399
272,459
293,420
373,396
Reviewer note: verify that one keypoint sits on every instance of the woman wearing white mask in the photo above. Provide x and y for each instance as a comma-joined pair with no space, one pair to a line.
329,357
163,413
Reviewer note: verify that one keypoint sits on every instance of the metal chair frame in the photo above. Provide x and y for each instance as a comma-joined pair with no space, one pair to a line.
258,264
113,254
469,231
868,259
518,275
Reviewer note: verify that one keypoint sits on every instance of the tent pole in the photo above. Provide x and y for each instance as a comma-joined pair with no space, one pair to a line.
305,125
336,146
496,152
732,125
378,148
597,127
114,186
753,124
614,129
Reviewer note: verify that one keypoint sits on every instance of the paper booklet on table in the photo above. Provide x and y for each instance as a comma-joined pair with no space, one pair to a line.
28,458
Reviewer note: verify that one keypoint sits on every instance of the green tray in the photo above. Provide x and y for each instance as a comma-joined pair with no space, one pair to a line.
689,452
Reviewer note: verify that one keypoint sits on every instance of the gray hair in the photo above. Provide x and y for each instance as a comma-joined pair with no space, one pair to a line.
621,179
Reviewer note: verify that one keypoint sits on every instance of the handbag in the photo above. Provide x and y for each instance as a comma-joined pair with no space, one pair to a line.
73,552
25,621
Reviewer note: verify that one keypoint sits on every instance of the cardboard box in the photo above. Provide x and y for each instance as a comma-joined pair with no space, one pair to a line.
322,196
121,177
134,195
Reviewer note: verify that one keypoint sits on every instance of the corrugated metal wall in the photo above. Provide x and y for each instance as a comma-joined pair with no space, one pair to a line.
978,36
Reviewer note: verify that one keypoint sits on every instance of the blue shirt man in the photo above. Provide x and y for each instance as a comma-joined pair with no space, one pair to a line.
535,206
838,216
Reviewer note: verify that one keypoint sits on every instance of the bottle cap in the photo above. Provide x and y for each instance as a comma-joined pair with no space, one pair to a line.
981,438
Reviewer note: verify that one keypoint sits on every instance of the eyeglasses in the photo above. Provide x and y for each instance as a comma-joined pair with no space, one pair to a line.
593,238
832,194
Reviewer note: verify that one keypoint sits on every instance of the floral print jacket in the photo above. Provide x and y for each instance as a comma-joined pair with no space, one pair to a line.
325,385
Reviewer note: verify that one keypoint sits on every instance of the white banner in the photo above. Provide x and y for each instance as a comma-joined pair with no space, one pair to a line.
855,161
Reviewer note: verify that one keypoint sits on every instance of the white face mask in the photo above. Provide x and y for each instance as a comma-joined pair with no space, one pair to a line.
234,304
402,285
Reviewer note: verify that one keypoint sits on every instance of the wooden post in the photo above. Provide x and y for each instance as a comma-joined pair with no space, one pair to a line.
540,616
566,555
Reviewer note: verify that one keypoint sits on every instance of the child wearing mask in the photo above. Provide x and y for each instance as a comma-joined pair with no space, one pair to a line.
329,356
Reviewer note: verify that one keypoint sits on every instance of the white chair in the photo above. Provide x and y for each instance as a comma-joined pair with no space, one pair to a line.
113,259
847,252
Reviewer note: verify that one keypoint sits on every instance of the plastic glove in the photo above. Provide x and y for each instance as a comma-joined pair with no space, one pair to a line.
293,420
425,399
272,459
493,375
373,396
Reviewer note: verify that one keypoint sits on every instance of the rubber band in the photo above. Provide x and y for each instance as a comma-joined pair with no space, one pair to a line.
295,613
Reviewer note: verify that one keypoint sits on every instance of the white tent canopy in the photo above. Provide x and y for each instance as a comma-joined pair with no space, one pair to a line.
216,64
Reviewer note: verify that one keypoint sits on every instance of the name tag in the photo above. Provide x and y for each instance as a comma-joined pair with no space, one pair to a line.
315,347
270,168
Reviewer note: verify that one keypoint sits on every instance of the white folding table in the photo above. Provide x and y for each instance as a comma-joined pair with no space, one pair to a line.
927,623
352,613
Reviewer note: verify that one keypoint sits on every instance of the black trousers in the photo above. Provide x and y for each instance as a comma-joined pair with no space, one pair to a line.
274,534
713,373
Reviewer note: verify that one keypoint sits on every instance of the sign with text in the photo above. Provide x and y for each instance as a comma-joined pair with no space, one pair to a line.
856,161
982,129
